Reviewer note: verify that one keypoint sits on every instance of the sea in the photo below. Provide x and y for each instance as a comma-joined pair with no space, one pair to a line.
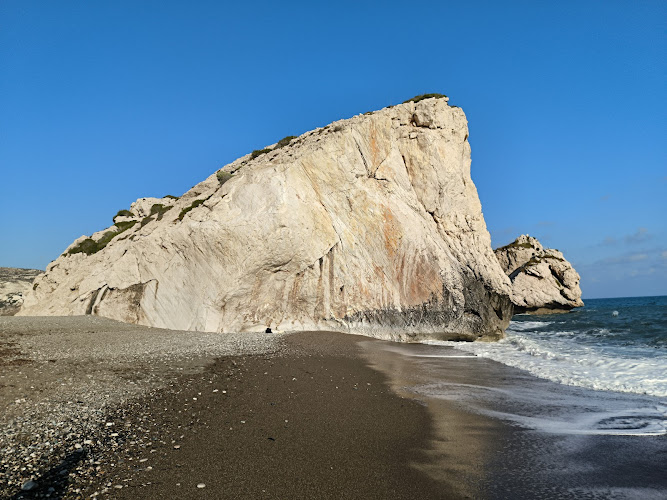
609,357
609,344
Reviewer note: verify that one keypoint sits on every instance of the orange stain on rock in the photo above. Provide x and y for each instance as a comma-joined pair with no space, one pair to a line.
392,234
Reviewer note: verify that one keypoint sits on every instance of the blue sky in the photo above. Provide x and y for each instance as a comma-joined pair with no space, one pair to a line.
102,103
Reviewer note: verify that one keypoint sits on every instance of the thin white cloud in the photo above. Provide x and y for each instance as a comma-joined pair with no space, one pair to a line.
638,236
639,269
625,259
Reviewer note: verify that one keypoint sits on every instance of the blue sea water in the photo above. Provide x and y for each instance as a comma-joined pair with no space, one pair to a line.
609,344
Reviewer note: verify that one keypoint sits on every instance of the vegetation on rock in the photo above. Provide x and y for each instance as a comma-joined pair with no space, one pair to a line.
124,213
159,209
223,176
285,141
280,144
124,226
89,246
195,204
258,152
146,220
421,97
515,244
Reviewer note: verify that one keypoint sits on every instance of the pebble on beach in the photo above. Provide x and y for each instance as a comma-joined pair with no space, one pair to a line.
78,424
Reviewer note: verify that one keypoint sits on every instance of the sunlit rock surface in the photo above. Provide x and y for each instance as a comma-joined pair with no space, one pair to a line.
542,280
370,225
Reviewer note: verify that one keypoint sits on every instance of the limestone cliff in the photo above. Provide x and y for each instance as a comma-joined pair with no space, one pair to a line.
542,280
370,225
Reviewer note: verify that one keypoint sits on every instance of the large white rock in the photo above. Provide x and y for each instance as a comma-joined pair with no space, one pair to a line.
542,280
370,225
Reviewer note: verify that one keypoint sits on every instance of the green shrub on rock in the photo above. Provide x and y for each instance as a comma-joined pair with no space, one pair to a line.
146,220
123,213
258,152
418,98
223,176
159,209
124,226
195,204
516,244
89,246
285,141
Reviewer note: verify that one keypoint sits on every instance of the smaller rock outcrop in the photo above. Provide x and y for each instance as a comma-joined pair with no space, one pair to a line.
13,285
543,281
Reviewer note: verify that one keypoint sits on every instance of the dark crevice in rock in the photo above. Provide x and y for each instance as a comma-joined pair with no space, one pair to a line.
557,277
96,307
415,122
89,309
472,312
551,307
363,158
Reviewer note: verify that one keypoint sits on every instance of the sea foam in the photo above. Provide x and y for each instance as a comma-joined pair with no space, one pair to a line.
589,348
583,366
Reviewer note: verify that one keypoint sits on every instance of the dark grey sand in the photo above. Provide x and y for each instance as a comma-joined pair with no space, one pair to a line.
91,407
61,376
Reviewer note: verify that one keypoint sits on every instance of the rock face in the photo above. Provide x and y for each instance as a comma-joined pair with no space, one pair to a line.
14,283
369,225
542,280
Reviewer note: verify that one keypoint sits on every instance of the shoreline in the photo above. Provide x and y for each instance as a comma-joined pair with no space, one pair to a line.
303,415
527,437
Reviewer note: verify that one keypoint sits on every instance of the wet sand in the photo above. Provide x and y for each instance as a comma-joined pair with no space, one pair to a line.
506,434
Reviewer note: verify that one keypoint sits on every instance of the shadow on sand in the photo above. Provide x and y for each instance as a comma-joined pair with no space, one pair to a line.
54,481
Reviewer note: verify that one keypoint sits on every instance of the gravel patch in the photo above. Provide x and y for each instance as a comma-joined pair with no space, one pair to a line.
61,378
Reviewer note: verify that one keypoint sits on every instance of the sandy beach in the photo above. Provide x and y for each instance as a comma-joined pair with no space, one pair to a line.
96,408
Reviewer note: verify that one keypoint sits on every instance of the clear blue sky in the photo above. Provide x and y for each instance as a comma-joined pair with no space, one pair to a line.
104,102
